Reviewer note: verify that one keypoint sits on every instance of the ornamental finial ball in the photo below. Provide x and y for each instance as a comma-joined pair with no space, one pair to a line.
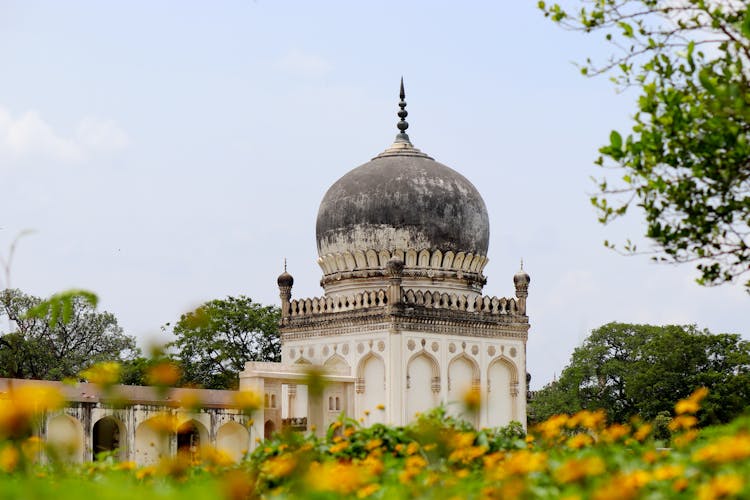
521,278
285,280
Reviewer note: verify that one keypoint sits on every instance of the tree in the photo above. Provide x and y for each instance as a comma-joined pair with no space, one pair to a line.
58,338
214,341
643,370
685,161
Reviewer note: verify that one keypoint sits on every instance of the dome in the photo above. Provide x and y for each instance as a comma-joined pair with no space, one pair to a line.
402,199
285,279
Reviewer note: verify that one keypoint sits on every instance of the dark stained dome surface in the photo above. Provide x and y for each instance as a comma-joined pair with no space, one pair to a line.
402,199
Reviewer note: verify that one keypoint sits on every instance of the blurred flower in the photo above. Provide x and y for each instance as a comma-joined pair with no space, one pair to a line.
643,432
579,441
164,374
279,466
667,472
247,401
692,403
9,458
551,427
576,469
622,486
24,405
592,420
682,422
337,477
615,432
721,486
725,449
105,374
472,400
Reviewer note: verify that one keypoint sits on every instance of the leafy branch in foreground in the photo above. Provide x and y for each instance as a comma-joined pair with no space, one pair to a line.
685,160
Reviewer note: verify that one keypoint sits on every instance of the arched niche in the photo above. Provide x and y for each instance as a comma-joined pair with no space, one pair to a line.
108,435
338,364
191,435
302,361
152,440
502,392
233,439
268,429
463,376
370,388
65,438
422,383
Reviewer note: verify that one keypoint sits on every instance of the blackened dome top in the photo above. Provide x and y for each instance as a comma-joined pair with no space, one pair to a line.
402,199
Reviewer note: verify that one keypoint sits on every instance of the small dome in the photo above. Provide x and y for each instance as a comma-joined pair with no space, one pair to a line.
521,278
285,279
402,199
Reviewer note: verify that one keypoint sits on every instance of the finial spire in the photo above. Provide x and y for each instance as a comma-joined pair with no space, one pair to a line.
521,264
402,124
285,264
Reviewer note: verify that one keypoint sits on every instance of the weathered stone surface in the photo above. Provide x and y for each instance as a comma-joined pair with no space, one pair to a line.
402,201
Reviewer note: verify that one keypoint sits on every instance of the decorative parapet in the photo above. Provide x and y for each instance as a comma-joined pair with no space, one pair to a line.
416,263
430,300
486,305
324,305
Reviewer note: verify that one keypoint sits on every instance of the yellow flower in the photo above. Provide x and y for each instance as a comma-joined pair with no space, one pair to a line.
412,448
685,438
623,486
682,422
615,432
680,484
337,477
462,440
165,374
667,472
126,466
518,463
591,420
368,490
9,458
164,423
247,401
341,446
24,405
472,400
373,443
145,472
643,432
104,374
380,407
579,441
551,427
279,466
725,449
692,403
721,486
577,469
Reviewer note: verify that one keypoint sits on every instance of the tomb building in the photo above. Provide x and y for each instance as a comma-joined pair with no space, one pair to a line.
403,324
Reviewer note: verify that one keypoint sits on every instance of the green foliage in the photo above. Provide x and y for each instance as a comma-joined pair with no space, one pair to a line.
59,337
59,308
640,370
684,163
214,341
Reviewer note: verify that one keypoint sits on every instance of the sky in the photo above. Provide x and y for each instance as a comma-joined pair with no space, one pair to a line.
169,153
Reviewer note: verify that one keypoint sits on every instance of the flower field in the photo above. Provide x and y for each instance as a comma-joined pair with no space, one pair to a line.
575,456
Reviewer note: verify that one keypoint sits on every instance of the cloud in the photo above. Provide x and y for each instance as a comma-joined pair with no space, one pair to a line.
300,63
29,136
